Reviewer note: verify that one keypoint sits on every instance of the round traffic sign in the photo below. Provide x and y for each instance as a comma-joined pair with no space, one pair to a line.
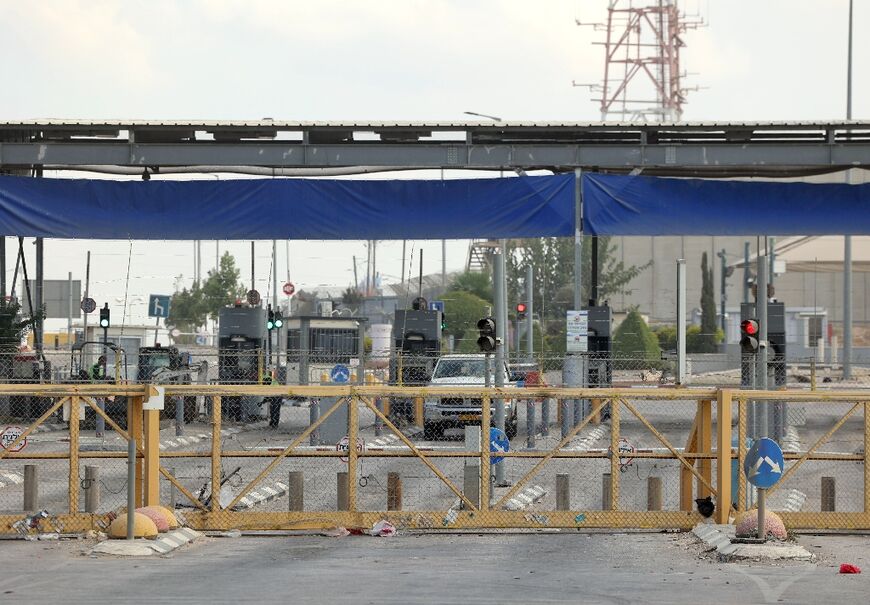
498,443
340,373
9,435
88,305
764,463
344,446
253,298
289,288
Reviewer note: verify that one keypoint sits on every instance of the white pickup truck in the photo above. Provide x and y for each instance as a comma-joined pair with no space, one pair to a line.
453,411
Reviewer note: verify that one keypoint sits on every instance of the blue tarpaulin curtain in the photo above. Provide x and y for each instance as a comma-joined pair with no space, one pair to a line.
533,206
639,205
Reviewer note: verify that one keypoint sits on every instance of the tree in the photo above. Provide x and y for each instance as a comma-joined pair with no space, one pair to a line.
708,336
351,298
13,329
464,310
553,261
222,287
479,284
633,340
187,310
190,309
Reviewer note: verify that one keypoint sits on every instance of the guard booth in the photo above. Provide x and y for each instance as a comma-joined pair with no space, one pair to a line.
315,345
241,348
417,339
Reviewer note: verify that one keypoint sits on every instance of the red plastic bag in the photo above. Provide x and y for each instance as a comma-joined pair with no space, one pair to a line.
849,568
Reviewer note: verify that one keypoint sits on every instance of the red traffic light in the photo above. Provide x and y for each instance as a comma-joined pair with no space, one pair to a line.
749,327
521,307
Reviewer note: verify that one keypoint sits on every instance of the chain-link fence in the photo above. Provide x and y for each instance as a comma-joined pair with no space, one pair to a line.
344,456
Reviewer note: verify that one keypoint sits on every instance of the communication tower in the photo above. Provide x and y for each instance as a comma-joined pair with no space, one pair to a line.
642,73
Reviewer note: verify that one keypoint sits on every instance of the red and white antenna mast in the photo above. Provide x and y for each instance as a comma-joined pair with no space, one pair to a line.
642,73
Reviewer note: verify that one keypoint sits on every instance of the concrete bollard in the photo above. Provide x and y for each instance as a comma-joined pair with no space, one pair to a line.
654,493
530,423
563,493
342,501
606,502
545,417
92,489
471,470
394,491
471,483
173,494
829,495
295,491
31,488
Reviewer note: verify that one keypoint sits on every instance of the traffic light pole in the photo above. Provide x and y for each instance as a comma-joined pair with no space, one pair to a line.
500,302
761,366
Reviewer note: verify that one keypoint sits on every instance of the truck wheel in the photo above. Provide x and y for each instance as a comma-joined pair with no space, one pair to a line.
433,431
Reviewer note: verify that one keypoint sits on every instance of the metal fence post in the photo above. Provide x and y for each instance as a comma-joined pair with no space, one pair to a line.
73,455
216,453
152,458
723,455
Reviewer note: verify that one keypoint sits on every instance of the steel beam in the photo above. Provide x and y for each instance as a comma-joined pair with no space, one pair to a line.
686,159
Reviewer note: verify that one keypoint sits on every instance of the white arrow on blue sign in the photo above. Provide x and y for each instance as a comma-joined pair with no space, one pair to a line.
158,305
498,443
340,373
764,463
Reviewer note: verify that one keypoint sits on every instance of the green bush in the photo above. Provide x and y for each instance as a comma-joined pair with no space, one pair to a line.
696,342
633,340
667,336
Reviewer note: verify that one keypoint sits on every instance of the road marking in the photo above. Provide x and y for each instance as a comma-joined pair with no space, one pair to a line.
253,498
525,498
11,477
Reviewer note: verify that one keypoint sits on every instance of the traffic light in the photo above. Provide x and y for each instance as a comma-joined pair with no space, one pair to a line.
443,321
486,341
521,310
749,336
270,320
279,320
104,316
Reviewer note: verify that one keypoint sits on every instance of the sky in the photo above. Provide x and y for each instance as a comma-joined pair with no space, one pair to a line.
382,60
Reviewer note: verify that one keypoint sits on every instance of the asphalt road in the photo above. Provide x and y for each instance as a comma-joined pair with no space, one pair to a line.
430,568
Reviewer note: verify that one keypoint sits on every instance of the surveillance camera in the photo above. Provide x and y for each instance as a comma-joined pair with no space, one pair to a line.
498,341
762,344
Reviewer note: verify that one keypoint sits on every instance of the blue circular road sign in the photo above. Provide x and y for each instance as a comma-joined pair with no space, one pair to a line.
764,463
498,443
340,373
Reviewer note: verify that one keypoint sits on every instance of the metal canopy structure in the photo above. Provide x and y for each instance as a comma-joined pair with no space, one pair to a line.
711,149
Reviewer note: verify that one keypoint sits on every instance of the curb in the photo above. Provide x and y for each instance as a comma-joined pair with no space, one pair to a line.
794,501
268,494
143,547
10,477
791,442
589,440
719,537
525,498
